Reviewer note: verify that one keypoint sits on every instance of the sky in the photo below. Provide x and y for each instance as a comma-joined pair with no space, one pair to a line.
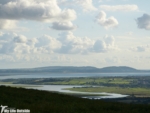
100,33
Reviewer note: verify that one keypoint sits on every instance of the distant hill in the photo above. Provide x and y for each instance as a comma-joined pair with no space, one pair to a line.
118,69
73,69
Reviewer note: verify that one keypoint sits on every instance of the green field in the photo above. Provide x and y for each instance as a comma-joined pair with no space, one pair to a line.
6,83
91,81
74,81
129,91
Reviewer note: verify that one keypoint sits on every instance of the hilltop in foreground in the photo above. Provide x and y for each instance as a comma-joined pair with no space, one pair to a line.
47,102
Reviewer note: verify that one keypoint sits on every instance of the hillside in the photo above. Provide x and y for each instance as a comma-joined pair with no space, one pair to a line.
49,102
72,69
118,69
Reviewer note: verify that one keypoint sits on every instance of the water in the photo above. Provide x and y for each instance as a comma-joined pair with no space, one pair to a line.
59,75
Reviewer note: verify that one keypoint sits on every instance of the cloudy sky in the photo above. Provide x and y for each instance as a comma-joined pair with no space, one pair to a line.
35,33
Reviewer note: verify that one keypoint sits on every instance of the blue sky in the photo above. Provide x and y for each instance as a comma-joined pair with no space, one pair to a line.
35,33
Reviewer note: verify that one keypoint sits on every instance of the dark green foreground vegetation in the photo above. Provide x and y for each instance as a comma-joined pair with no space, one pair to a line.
50,102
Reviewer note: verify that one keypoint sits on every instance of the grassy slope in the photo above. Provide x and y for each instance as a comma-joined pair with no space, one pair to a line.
48,102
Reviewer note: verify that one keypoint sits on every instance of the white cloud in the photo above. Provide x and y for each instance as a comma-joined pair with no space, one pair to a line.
144,22
33,10
47,44
119,7
141,48
65,2
20,39
72,44
6,37
1,33
25,9
67,15
19,44
105,1
99,46
67,43
110,40
6,58
63,26
36,10
7,24
87,5
106,22
108,44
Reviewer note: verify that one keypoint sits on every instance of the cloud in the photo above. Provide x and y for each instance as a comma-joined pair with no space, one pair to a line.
1,33
67,43
124,8
20,39
110,40
6,37
105,1
74,45
66,2
144,22
67,15
7,24
25,9
106,22
63,26
99,46
19,44
35,10
47,44
108,44
6,1
86,5
141,48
